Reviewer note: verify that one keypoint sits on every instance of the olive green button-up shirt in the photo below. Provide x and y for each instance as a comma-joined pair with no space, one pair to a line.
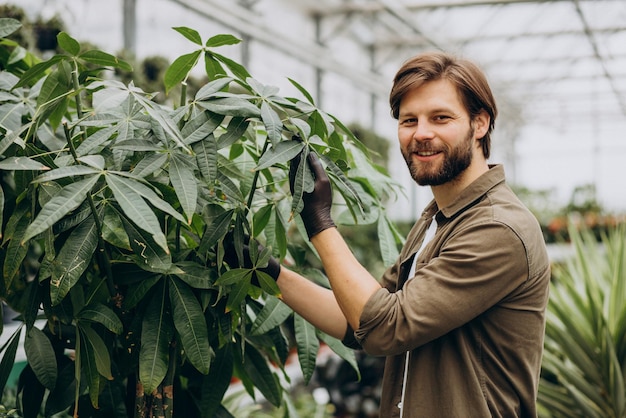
472,318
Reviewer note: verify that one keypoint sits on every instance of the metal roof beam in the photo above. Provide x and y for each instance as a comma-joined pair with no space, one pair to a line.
243,21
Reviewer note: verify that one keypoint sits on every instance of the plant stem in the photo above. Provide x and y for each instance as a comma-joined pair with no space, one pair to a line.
255,179
79,104
140,400
168,383
183,93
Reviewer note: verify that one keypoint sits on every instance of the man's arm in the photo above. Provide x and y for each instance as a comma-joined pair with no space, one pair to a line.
351,283
313,302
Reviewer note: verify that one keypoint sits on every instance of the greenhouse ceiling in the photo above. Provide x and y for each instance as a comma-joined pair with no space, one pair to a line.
553,61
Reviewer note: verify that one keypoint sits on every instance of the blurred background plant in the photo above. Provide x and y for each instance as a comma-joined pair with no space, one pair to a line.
584,362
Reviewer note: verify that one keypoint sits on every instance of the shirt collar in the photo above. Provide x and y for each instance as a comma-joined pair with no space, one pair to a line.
476,189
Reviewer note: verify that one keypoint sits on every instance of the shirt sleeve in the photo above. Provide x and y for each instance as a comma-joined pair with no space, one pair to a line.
475,268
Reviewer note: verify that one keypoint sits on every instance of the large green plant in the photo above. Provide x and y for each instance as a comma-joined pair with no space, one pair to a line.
584,364
114,213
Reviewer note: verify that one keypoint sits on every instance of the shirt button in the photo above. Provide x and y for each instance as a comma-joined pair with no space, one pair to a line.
399,405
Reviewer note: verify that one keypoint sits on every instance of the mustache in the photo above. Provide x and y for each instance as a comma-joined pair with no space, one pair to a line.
422,147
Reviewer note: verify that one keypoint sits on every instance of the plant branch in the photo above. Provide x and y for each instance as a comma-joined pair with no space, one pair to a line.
255,179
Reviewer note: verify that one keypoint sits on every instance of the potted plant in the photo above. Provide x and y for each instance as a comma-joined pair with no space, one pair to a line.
114,212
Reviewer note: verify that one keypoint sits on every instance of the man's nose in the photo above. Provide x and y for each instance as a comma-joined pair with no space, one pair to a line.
423,131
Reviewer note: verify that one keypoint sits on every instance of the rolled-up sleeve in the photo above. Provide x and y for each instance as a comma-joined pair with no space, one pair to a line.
473,270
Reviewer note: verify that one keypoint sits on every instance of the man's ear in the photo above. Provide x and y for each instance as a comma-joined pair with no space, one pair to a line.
481,124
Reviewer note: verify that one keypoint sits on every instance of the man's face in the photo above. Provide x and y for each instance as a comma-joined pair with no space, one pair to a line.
437,138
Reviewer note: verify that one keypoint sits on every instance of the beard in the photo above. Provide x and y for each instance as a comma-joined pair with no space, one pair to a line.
455,162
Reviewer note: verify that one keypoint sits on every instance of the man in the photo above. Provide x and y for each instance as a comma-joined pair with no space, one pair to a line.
460,316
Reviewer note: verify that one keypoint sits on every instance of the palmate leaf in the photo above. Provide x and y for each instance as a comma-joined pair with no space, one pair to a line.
41,357
156,334
68,199
231,106
212,87
308,346
136,208
73,259
105,59
183,180
190,324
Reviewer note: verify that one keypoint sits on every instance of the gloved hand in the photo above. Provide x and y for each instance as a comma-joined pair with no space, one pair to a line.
255,256
317,204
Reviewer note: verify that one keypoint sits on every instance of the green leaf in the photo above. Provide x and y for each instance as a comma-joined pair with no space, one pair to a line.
8,359
190,34
341,350
180,69
8,26
206,158
234,131
113,229
156,334
16,250
236,68
137,292
196,275
68,199
281,153
85,360
97,312
99,349
260,374
273,123
190,324
273,314
22,163
136,208
201,127
215,384
41,357
68,44
37,71
302,90
149,194
184,183
215,230
231,106
207,91
386,241
105,59
63,172
308,346
147,254
221,40
149,165
73,259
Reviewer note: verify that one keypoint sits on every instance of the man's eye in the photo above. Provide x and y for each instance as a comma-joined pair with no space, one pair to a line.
442,118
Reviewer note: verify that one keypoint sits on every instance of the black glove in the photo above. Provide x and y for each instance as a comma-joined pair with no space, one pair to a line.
317,204
271,267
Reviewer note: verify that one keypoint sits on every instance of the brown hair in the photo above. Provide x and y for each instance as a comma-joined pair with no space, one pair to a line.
470,81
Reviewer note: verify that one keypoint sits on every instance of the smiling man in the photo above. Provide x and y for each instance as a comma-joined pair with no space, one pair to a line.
460,316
